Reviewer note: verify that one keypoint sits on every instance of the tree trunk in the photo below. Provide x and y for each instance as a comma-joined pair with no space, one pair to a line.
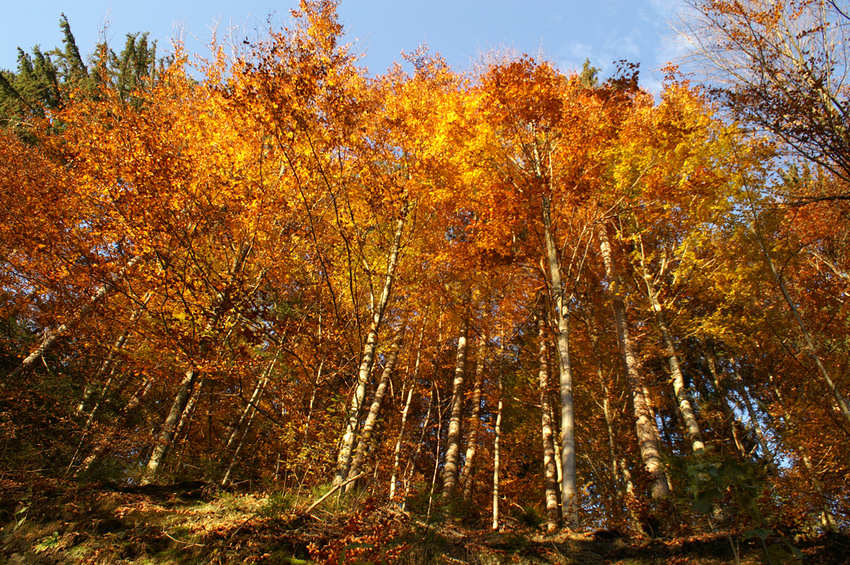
104,390
397,450
366,360
467,479
809,344
686,410
372,417
630,499
439,435
609,428
241,428
169,426
311,405
183,405
247,412
496,461
827,518
251,406
409,468
562,332
549,470
406,410
556,434
728,415
104,443
89,389
433,400
107,367
188,413
450,470
51,335
683,400
235,456
647,432
754,423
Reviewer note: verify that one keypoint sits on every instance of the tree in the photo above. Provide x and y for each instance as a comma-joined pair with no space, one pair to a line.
782,69
276,269
45,81
540,149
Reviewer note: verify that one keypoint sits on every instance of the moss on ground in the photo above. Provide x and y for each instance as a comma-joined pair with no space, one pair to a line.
68,523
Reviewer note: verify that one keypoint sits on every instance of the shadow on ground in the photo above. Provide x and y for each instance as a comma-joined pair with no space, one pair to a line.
48,521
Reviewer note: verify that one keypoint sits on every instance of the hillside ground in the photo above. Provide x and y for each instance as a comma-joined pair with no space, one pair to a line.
49,521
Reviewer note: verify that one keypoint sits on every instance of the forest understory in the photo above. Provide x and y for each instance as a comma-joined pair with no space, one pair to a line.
47,521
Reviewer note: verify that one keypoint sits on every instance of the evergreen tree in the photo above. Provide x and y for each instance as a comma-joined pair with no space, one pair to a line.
43,80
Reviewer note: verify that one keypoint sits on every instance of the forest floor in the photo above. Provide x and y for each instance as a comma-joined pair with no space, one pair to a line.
48,521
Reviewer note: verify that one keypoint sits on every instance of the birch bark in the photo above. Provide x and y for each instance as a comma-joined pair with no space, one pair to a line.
450,469
52,334
549,469
562,332
467,473
367,358
683,400
169,426
647,432
496,458
372,417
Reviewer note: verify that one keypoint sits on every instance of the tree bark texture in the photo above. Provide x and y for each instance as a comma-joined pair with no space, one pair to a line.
169,426
364,444
683,400
367,358
496,458
550,474
558,303
467,478
450,469
646,430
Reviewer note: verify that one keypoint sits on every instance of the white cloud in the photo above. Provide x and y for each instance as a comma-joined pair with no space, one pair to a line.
572,56
625,45
652,85
672,45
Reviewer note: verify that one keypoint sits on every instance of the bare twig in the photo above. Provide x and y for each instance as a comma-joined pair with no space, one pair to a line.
327,494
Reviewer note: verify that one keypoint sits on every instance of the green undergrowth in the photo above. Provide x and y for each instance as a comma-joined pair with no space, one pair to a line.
68,523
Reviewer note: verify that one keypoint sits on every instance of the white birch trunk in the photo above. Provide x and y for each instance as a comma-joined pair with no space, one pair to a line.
397,450
562,332
353,417
52,334
683,400
450,470
467,473
496,458
406,410
646,430
549,469
103,443
364,444
166,435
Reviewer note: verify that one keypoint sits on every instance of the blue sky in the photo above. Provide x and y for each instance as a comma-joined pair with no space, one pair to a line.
565,32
